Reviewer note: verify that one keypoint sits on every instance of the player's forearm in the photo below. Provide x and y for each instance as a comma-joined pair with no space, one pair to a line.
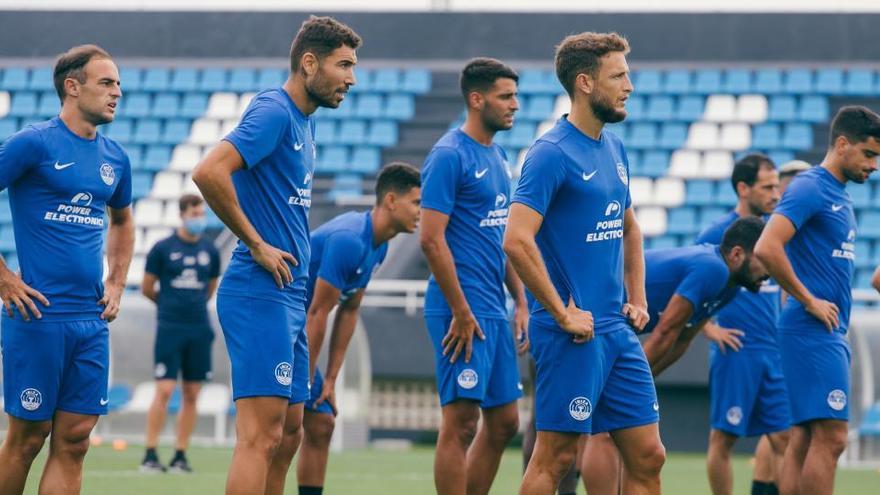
150,293
659,343
443,267
634,265
678,349
526,259
514,285
343,329
772,254
316,327
219,192
120,248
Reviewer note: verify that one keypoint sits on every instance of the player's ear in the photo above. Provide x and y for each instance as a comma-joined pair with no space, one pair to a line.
585,83
741,189
475,99
309,63
71,87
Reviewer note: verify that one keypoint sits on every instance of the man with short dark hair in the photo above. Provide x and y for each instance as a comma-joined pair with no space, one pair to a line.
345,252
464,211
809,248
267,162
62,177
186,267
746,385
574,240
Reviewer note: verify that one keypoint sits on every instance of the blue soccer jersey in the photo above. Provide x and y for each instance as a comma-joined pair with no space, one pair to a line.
696,273
344,253
754,314
184,270
470,183
275,140
59,185
580,186
822,251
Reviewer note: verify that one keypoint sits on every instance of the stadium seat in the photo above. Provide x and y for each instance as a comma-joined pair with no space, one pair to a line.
859,82
563,106
669,192
41,79
521,135
652,220
798,81
386,80
619,129
214,401
814,109
8,127
165,105
642,135
156,79
737,81
417,81
131,79
716,164
783,108
325,131
720,108
214,79
346,186
205,132
175,131
244,101
49,105
364,80
167,185
685,164
366,160
147,131
735,136
635,107
242,80
860,195
682,221
4,103
270,78
869,225
157,157
655,163
333,159
222,106
5,212
7,238
708,215
703,136
726,197
119,130
751,108
648,82
141,183
368,106
780,157
148,213
352,132
15,79
677,82
661,108
700,193
863,254
829,81
135,275
24,104
766,136
641,190
634,159
403,107
171,212
184,79
185,157
662,242
118,396
193,105
382,133
797,137
690,108
136,105
707,82
768,81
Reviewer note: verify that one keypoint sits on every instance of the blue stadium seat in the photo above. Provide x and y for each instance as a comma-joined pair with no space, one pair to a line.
660,108
175,131
798,81
382,133
766,136
682,221
243,80
869,225
536,81
118,396
147,131
345,186
119,130
797,137
136,105
131,79
708,215
141,183
737,81
690,108
863,278
364,80
213,79
538,107
135,155
5,212
193,105
699,193
174,401
768,81
7,238
643,136
366,159
634,158
386,80
677,82
156,79
157,157
860,82
655,163
214,221
673,135
184,79
352,132
49,106
416,81
165,105
8,127
325,131
368,106
24,104
863,254
400,107
333,159
635,108
42,80
782,108
814,109
619,129
726,197
708,81
271,78
14,79
663,241
522,135
829,81
781,157
648,82
860,195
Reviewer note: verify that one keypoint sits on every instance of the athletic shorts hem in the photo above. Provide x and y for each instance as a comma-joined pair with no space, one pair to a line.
502,402
319,409
85,412
751,434
456,399
562,428
626,426
260,393
802,421
38,419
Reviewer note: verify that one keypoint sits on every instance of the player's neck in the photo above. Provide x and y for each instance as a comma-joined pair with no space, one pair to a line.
833,167
477,131
742,209
383,228
76,123
186,236
296,89
586,121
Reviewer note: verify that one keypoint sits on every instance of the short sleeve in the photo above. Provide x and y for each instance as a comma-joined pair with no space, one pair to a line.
342,256
543,173
18,155
122,195
628,177
703,282
802,200
154,260
440,179
215,262
261,129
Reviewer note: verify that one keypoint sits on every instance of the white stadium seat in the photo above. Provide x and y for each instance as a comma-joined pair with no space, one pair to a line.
136,271
545,126
189,187
171,216
641,189
139,246
751,109
185,157
222,106
669,192
205,132
148,213
167,185
703,136
214,400
720,108
244,101
735,137
717,164
562,106
685,164
155,235
4,104
652,220
227,126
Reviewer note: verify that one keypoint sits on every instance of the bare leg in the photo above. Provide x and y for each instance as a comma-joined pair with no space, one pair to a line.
643,457
765,464
23,442
499,426
311,467
67,449
827,443
718,462
158,411
258,424
553,456
795,455
600,466
290,440
458,427
777,444
186,420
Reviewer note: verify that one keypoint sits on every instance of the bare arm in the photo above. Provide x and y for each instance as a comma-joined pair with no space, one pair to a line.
343,328
525,257
213,176
120,247
723,337
875,280
148,287
16,293
324,299
679,347
672,322
636,307
521,308
770,249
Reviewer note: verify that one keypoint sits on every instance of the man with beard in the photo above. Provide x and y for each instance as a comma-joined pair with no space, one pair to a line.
63,175
574,241
465,200
267,163
746,386
809,247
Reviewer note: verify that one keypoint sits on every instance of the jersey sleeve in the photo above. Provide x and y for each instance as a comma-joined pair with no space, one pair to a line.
154,260
703,282
261,129
342,256
628,177
802,200
122,195
440,179
542,175
18,155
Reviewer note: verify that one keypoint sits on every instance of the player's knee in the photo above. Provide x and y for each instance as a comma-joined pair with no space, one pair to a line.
649,461
74,441
506,427
29,445
320,430
563,461
835,441
264,445
163,395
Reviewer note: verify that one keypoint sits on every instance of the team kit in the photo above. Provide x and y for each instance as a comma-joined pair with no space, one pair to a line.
549,263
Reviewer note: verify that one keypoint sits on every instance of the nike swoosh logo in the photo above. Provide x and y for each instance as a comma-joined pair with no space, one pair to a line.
104,402
480,174
59,166
588,177
836,207
297,146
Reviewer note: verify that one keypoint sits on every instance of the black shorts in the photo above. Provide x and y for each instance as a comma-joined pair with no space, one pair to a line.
183,349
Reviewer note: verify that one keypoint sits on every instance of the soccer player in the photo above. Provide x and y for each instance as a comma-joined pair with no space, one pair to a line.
345,253
746,386
186,267
574,241
464,210
258,180
62,176
790,169
875,279
809,247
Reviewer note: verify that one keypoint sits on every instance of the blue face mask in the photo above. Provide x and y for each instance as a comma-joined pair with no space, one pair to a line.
196,225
